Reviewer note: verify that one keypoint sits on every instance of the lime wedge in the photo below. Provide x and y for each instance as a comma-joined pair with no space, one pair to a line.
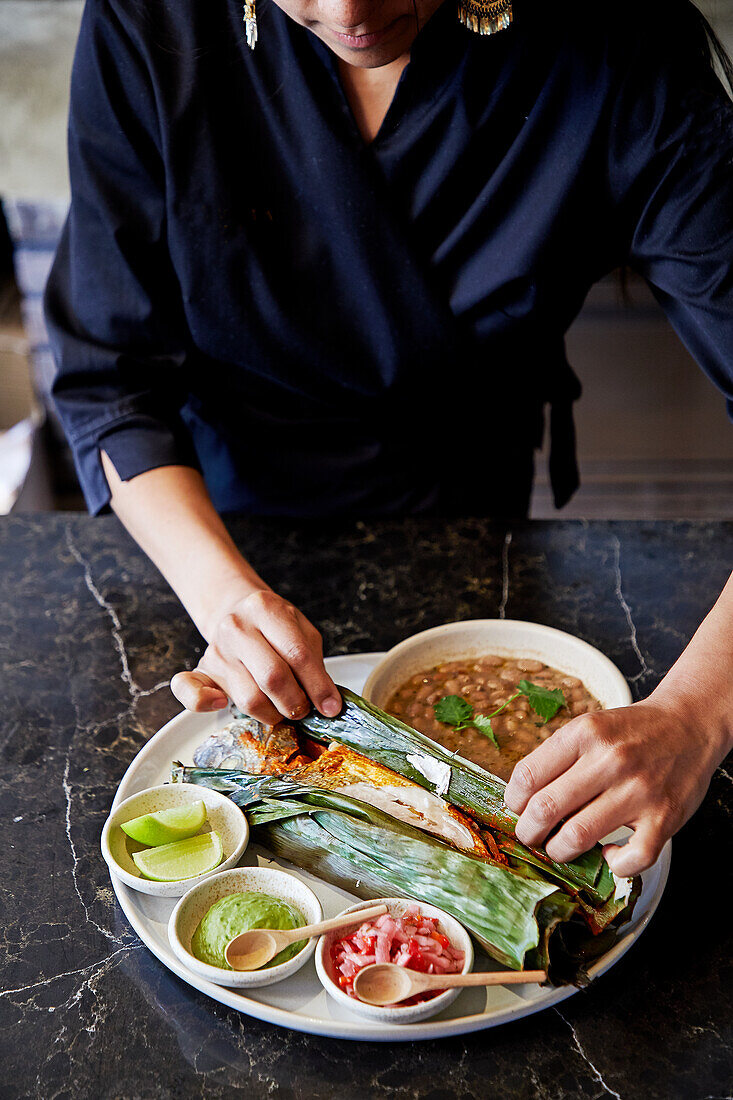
165,826
182,859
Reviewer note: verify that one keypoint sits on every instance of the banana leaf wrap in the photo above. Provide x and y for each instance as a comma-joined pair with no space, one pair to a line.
514,914
512,847
614,911
384,739
565,948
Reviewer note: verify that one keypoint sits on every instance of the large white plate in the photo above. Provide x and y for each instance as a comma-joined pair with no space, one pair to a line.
300,1002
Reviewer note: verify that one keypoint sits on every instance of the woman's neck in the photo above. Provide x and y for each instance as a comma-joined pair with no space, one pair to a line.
370,92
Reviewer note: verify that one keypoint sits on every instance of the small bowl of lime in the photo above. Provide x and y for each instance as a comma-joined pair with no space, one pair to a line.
212,913
164,840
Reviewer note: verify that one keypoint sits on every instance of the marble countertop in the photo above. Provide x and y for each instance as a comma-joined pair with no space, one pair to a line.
89,637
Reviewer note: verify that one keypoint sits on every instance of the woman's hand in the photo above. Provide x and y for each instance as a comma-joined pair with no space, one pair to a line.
646,766
267,658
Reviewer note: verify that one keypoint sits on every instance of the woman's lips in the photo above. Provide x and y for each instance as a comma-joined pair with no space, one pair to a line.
363,41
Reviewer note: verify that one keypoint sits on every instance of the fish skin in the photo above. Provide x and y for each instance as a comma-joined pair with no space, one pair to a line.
251,746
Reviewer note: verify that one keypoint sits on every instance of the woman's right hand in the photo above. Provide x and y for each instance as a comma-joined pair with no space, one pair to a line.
266,657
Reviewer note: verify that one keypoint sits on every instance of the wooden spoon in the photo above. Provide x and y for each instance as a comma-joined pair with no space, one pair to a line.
388,983
251,950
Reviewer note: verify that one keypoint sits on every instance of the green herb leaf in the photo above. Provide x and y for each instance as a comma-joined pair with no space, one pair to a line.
483,725
453,710
544,701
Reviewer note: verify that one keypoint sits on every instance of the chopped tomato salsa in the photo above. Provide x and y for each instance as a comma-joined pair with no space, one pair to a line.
412,940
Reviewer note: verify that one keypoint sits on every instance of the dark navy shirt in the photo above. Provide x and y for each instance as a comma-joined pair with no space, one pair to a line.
325,326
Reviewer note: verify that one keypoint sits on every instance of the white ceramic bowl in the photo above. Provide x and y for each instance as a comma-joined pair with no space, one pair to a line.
505,638
224,818
396,1014
194,905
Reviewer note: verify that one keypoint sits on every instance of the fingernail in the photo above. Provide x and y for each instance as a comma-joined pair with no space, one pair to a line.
331,706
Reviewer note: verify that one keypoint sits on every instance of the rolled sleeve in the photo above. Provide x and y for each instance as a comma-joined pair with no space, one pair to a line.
113,305
135,442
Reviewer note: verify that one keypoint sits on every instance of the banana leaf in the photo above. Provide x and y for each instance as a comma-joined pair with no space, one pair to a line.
555,911
510,846
368,852
386,740
597,918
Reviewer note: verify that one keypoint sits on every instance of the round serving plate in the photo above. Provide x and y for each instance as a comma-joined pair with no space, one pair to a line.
300,1002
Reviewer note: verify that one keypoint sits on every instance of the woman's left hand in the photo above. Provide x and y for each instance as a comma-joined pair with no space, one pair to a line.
646,766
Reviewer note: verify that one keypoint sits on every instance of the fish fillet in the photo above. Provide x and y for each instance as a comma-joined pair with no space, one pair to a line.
348,772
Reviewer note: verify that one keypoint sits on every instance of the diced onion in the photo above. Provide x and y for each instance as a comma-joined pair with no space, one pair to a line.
412,940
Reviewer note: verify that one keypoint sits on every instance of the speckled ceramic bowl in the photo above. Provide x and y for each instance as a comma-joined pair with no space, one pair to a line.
505,638
405,1014
186,916
224,818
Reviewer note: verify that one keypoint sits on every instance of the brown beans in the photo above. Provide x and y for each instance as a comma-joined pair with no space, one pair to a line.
530,666
487,684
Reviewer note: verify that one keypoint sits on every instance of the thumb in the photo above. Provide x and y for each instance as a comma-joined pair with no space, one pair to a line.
198,692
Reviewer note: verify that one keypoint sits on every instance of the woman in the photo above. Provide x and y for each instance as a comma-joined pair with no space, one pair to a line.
332,275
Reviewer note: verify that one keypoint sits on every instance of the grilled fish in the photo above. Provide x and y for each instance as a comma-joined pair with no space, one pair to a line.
248,745
348,772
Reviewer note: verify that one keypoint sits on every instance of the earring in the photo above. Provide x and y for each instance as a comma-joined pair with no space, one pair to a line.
485,16
250,23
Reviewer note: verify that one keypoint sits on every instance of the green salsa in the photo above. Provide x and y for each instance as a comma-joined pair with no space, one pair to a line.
240,913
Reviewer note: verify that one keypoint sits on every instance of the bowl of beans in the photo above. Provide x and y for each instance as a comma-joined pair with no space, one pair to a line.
491,669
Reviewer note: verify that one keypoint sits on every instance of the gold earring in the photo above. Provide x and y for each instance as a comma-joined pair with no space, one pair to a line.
250,23
485,16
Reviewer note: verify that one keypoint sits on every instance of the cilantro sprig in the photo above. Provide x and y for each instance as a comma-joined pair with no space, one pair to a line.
454,710
545,702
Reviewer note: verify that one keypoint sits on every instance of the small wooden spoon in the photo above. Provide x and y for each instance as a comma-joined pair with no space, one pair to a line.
388,984
251,950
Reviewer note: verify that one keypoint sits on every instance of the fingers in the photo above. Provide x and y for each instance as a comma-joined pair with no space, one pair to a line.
268,658
198,692
304,655
299,648
545,763
641,766
585,828
640,852
560,798
241,687
267,670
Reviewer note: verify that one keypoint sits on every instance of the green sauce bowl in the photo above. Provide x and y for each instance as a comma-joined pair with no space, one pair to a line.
188,942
